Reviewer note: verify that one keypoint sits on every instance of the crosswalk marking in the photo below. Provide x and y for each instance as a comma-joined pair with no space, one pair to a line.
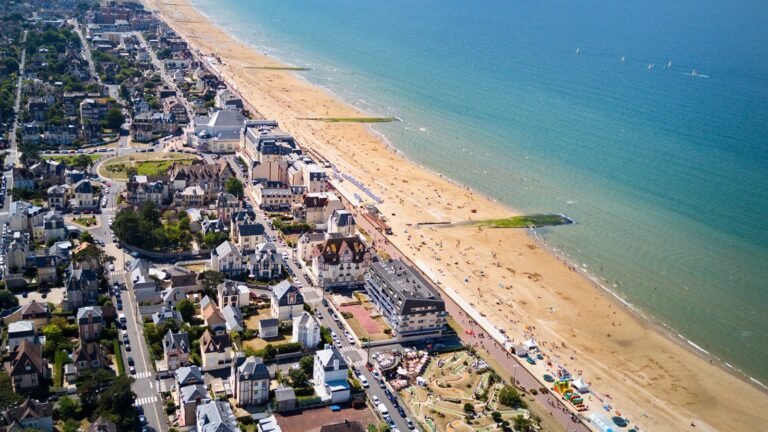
348,348
117,273
145,400
145,374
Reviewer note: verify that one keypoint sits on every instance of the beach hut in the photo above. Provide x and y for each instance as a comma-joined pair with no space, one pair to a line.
580,386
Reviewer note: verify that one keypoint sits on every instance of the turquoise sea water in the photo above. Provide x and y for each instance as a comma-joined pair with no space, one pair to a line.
529,102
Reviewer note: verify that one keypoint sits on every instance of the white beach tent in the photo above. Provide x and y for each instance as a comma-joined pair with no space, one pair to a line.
580,386
521,350
531,344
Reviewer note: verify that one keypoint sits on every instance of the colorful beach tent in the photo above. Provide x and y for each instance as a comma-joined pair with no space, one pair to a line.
580,386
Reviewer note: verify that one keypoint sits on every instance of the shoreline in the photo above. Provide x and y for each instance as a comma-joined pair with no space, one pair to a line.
667,332
670,332
658,325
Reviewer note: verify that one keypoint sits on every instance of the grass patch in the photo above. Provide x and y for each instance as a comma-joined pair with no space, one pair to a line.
118,358
528,221
353,119
144,163
70,159
86,222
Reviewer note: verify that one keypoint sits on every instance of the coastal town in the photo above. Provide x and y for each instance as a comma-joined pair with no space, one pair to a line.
171,260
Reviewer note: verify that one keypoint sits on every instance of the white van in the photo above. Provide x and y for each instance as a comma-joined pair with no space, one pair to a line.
363,381
383,410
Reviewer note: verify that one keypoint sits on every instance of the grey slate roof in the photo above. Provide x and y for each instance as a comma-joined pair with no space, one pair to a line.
216,416
178,341
252,368
251,229
280,290
187,375
327,357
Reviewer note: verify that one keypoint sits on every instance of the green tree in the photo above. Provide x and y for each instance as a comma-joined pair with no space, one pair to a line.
307,364
8,397
213,239
81,161
234,186
114,119
496,416
186,308
469,408
7,299
523,424
510,397
69,408
116,403
85,236
212,279
298,377
91,385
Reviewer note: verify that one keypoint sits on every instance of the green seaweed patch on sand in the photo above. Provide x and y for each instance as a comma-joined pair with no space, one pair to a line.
526,221
353,119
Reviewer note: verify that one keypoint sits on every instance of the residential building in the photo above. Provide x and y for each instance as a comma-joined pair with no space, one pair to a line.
330,376
19,332
287,301
34,312
406,300
226,258
306,330
176,350
229,294
189,398
29,369
216,416
226,204
341,222
58,196
89,357
233,318
210,177
85,197
215,350
166,314
140,189
247,235
340,261
90,323
82,289
265,263
249,380
269,328
53,227
30,415
189,393
228,100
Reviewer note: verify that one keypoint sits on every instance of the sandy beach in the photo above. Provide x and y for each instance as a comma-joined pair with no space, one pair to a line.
654,380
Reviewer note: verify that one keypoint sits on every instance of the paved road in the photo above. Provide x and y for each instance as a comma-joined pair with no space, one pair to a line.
146,386
313,295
